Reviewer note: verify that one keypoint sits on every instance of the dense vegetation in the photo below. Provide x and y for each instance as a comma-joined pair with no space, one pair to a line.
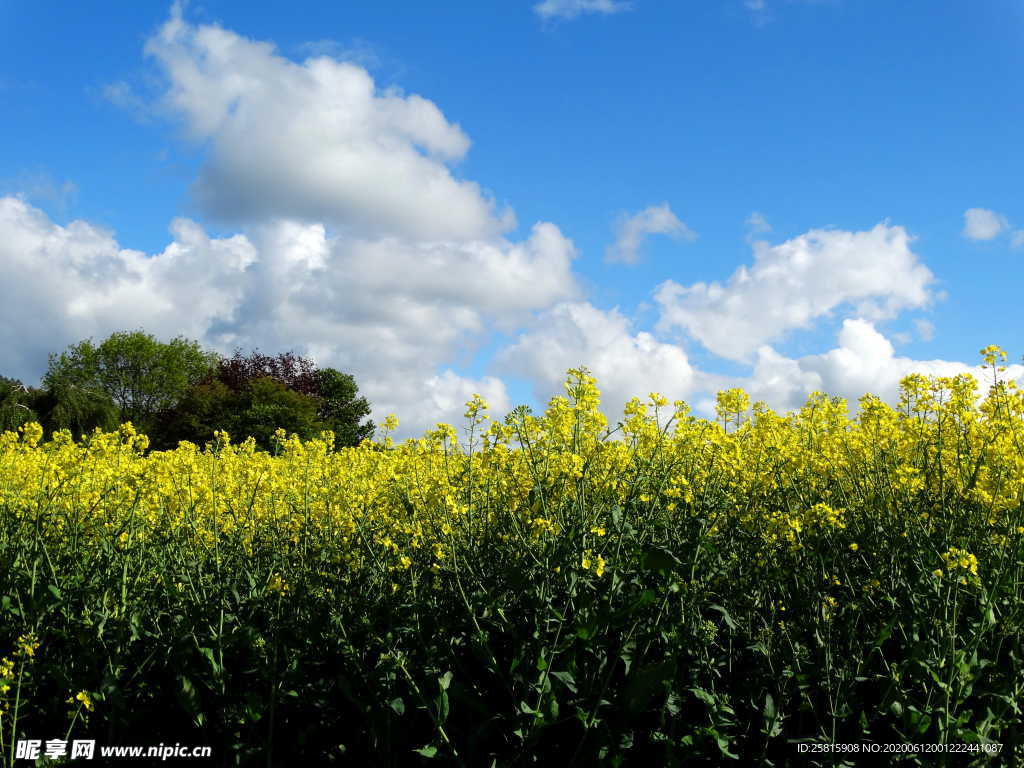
177,391
689,592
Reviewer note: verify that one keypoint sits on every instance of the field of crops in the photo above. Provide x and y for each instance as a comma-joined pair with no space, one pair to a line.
675,591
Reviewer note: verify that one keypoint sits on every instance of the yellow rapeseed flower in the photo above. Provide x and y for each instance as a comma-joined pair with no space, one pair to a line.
82,697
278,585
959,558
27,645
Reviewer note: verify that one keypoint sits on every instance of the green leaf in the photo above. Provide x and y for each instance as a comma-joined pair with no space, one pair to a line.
441,702
445,680
723,746
704,696
657,558
646,682
566,678
188,697
725,615
427,751
398,705
886,631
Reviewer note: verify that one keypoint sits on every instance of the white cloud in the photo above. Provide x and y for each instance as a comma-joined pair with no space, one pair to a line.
864,362
64,284
631,230
442,399
983,224
358,51
316,141
570,9
792,284
756,224
925,329
384,306
625,364
1017,239
387,311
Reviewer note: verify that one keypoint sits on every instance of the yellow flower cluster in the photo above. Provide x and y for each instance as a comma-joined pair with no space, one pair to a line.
277,585
960,559
785,480
6,674
590,561
27,645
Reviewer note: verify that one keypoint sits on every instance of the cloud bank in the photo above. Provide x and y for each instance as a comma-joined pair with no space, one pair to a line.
792,284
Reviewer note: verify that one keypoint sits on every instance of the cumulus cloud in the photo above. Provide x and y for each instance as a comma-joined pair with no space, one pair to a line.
63,284
387,311
570,9
863,362
983,224
626,363
391,306
442,399
316,141
925,329
792,284
631,231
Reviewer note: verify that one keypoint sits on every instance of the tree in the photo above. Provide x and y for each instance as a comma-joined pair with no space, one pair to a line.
340,408
265,405
296,373
79,407
15,404
255,395
139,375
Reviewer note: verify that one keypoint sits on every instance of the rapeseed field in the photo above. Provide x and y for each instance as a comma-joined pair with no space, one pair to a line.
673,590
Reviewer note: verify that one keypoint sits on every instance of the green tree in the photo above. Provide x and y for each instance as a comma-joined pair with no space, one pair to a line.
340,410
15,404
265,405
138,374
255,395
69,402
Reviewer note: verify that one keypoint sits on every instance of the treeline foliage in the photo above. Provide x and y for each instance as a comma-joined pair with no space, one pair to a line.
176,390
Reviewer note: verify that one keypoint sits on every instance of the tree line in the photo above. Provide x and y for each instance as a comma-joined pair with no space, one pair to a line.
176,390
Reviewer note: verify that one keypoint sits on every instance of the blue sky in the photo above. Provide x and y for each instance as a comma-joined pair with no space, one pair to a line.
458,197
